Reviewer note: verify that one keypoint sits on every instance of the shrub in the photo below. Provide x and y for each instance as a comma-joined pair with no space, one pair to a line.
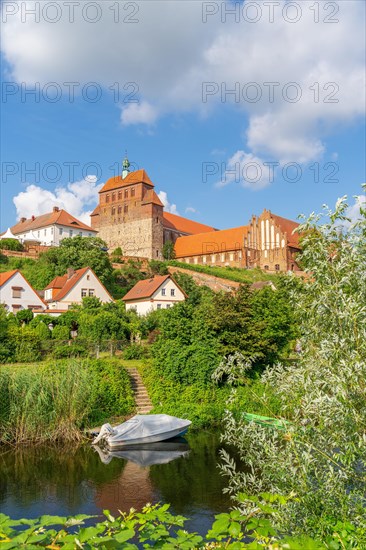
26,342
11,244
61,332
135,351
72,350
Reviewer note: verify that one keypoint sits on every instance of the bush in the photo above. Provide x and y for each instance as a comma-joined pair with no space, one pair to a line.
26,342
11,244
61,332
135,351
73,350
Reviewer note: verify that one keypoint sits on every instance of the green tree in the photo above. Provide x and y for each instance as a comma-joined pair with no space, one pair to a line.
78,252
321,457
168,251
11,244
24,316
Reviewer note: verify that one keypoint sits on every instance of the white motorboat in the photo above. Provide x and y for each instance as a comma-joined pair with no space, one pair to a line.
142,428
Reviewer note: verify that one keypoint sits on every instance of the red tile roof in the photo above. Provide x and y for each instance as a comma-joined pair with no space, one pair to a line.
210,243
60,217
146,288
7,275
151,197
139,176
66,284
183,225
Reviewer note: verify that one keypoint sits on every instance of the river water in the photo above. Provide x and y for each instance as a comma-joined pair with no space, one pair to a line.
72,480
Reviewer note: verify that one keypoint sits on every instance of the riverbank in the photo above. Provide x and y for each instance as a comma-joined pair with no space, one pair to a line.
57,400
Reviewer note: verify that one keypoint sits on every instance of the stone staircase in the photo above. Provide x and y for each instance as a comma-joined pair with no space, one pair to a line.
143,403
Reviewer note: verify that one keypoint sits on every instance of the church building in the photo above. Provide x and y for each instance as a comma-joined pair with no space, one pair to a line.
130,215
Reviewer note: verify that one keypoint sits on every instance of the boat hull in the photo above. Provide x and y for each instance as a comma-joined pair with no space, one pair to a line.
115,442
142,429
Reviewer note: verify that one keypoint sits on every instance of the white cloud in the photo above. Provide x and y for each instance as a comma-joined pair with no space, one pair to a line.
353,211
248,170
172,208
169,71
139,113
190,209
77,199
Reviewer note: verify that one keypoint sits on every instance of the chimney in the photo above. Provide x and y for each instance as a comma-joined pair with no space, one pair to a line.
56,209
33,218
70,272
22,220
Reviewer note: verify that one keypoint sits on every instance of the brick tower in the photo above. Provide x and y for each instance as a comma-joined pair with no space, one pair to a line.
130,215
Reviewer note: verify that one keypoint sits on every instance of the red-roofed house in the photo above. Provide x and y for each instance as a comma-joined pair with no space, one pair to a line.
16,293
159,292
49,229
72,287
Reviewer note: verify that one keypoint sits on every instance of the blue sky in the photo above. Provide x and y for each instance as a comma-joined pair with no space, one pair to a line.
207,150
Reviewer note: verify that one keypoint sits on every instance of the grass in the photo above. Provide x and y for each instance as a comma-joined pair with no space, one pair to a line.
56,401
239,275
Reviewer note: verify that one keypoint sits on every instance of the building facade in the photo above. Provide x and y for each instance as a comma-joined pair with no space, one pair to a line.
63,292
131,216
268,242
159,292
16,293
49,229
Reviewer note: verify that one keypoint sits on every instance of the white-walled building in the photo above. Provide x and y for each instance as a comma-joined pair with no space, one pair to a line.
72,287
159,292
16,293
49,229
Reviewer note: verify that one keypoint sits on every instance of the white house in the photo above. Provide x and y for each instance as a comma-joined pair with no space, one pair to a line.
159,292
16,293
49,229
71,288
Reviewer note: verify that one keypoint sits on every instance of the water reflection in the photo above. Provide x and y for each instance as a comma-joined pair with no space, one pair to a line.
72,480
162,452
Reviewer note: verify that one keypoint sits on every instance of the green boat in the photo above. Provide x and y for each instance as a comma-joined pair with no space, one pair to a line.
267,421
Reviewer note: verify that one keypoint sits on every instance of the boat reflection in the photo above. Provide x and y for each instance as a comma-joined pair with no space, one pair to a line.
147,454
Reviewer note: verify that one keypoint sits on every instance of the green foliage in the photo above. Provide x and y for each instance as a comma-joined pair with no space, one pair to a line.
156,527
11,244
24,316
168,251
186,350
42,331
55,400
157,267
61,332
74,349
240,275
26,342
135,351
322,456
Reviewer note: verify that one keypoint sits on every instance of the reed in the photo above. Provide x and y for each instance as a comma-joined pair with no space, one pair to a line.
57,400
